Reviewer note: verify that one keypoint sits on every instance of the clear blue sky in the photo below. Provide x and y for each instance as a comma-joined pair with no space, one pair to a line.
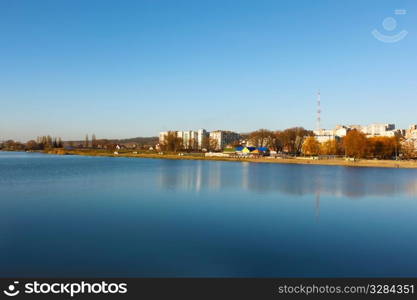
133,68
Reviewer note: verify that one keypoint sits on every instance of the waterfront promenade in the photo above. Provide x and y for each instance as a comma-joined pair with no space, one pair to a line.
300,160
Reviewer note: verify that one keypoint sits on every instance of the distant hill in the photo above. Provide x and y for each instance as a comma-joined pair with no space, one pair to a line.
153,140
149,141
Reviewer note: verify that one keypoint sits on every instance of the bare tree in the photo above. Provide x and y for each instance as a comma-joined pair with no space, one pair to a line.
86,143
262,138
93,141
172,142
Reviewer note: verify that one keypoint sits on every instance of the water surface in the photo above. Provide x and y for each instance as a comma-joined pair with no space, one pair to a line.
101,216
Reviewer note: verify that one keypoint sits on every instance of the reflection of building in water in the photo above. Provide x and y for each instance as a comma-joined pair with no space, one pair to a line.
326,180
197,175
175,175
317,206
245,175
288,179
411,188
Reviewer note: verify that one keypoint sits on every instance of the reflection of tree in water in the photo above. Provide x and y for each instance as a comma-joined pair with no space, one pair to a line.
412,187
330,180
288,179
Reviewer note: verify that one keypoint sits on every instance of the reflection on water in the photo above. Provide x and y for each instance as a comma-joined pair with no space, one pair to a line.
317,207
74,216
289,179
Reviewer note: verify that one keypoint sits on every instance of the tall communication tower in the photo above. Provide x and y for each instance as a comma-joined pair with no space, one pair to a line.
318,112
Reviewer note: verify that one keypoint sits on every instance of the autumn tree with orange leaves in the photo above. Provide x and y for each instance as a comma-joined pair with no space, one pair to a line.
355,144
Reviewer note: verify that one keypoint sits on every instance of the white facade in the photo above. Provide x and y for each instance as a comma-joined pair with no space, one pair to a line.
186,138
216,136
162,136
201,135
376,129
189,138
223,138
411,136
411,132
340,131
324,135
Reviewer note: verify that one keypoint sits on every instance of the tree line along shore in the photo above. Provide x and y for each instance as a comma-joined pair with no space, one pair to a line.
347,162
287,160
294,145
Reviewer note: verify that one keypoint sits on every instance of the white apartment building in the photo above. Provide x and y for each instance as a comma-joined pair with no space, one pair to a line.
340,131
201,135
378,129
222,138
324,135
372,130
411,132
162,135
190,138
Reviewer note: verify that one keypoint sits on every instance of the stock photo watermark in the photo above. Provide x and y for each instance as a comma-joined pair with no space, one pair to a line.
390,24
70,289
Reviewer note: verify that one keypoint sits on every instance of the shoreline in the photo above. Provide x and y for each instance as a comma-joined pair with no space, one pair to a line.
400,164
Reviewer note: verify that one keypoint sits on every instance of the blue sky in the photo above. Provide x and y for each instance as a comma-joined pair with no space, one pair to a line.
134,68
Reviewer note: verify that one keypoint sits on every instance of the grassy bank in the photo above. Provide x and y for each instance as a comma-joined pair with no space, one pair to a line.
329,162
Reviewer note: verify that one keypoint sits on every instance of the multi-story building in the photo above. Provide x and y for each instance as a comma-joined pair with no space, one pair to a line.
324,135
411,132
341,131
195,139
372,130
189,139
221,138
162,136
202,134
410,141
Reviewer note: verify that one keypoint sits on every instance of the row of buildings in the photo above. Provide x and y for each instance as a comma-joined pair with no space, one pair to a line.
219,139
202,139
372,130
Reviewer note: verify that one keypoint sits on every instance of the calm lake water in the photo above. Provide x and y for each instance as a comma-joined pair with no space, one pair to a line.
97,216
